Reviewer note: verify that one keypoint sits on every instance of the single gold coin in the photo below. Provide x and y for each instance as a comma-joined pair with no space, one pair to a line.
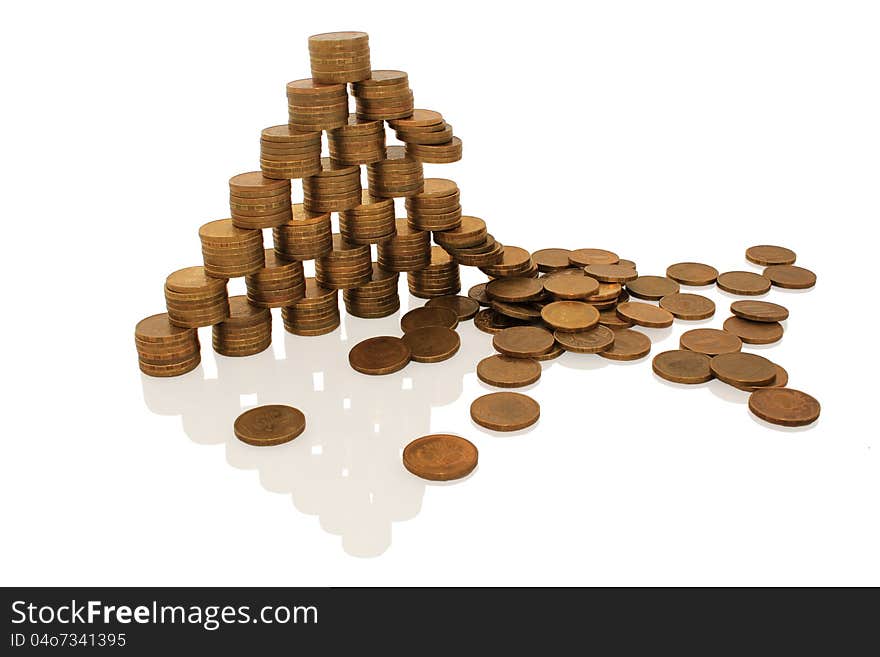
779,381
551,259
652,288
506,372
380,355
570,315
585,257
759,311
464,307
515,289
692,273
711,342
593,341
424,316
628,345
505,411
688,306
611,273
644,314
754,332
745,283
431,344
440,457
784,406
682,366
790,277
766,255
269,425
478,294
523,341
570,287
742,369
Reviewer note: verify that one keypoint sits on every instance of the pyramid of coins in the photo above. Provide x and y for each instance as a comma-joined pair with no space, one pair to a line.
537,305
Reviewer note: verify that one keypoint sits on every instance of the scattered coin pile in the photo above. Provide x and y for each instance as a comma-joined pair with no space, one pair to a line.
536,305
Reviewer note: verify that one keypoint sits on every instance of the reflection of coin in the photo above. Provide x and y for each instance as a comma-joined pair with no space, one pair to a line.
784,406
440,457
273,424
505,411
682,366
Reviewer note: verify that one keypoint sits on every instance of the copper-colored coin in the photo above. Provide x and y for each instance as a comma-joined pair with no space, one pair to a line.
506,372
767,255
525,311
570,315
431,344
652,288
523,341
505,411
464,307
790,277
381,355
688,306
692,273
784,406
610,318
424,316
551,259
556,352
628,345
440,457
779,381
268,425
743,369
754,332
593,341
611,273
490,321
746,283
710,341
644,314
585,257
571,287
759,311
607,292
478,294
514,289
682,366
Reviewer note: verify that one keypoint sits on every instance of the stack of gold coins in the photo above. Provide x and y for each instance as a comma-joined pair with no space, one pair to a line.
425,127
436,153
470,244
384,95
229,251
408,250
359,142
195,299
286,152
438,279
378,298
436,208
347,265
165,349
247,330
514,261
371,222
335,188
316,313
313,107
258,202
397,175
280,283
308,235
340,56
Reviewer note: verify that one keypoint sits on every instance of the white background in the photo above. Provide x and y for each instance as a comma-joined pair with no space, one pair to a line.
665,131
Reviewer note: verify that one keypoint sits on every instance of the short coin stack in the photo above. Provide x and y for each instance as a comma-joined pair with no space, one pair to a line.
229,251
361,141
340,56
385,95
258,202
195,299
371,222
397,175
286,152
428,137
378,298
408,250
436,208
165,349
247,330
470,244
280,283
307,235
440,278
316,313
346,266
337,187
312,106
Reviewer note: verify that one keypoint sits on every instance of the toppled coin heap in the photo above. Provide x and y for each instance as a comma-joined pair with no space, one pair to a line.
536,305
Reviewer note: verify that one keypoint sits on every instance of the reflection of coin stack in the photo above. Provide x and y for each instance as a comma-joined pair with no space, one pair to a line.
316,313
164,349
229,251
378,298
195,299
280,283
408,250
247,330
438,279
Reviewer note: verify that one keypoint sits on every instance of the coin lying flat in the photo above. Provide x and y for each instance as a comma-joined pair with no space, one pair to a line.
440,457
585,257
759,311
523,341
514,289
425,316
688,306
464,307
269,425
551,259
506,372
505,411
652,288
555,352
628,345
611,273
644,314
743,369
491,321
754,332
571,287
766,255
790,277
784,406
570,315
592,341
384,354
431,344
710,341
682,366
745,283
779,381
692,273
